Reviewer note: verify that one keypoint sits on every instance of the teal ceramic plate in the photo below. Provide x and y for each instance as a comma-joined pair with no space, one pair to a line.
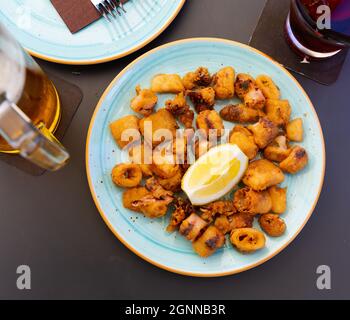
147,238
40,29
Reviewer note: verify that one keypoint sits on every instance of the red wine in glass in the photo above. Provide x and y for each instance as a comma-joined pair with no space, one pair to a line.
311,41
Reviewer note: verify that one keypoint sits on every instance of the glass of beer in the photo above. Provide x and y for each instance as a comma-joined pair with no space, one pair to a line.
318,29
29,108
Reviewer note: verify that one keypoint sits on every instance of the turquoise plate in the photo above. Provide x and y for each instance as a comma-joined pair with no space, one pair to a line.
147,238
40,30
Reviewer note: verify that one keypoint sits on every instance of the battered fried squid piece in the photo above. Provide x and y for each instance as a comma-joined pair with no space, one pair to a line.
167,83
254,99
192,227
130,196
246,200
144,102
239,113
200,78
262,174
296,161
247,240
162,119
223,83
203,99
244,139
164,166
223,207
172,184
138,155
268,87
279,199
295,130
210,120
183,208
241,220
243,84
211,240
180,109
278,150
127,175
157,191
264,131
120,126
223,224
278,111
272,224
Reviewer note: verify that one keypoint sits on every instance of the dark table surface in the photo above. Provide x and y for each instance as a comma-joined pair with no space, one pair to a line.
51,224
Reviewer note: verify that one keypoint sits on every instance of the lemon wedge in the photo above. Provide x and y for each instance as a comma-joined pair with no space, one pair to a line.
214,174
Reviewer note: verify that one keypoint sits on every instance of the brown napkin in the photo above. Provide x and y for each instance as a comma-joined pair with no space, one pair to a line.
76,14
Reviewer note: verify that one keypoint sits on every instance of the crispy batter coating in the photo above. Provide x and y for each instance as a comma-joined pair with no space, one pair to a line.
241,220
278,111
278,150
296,161
211,240
183,208
164,166
200,78
223,224
201,147
243,84
173,183
210,120
203,99
244,139
279,199
131,196
127,175
162,119
264,131
239,113
262,174
246,200
295,130
142,155
222,207
120,127
180,109
223,83
254,99
167,83
247,240
144,102
189,81
192,227
272,224
268,87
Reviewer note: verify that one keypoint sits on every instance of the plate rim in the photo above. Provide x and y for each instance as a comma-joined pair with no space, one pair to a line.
129,246
112,57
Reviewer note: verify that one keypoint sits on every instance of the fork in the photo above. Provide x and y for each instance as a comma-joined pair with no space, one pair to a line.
109,8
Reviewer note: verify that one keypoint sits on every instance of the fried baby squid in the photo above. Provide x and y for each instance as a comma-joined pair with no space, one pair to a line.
296,161
183,208
278,150
268,87
278,111
223,207
279,199
167,83
223,83
200,78
262,174
244,139
239,113
142,155
272,224
210,120
238,220
127,175
264,131
125,130
211,240
180,109
192,227
173,183
144,102
202,99
295,130
247,240
253,202
243,84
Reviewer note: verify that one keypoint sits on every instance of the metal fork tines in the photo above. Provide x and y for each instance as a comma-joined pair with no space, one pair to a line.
109,8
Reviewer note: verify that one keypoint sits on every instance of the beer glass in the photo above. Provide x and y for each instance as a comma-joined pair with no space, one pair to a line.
29,108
